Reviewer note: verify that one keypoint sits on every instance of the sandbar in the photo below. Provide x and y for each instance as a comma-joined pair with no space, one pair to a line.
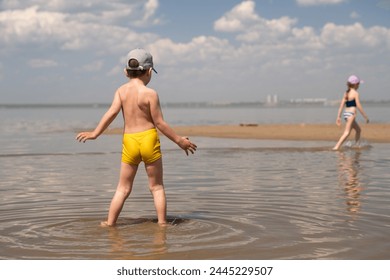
373,132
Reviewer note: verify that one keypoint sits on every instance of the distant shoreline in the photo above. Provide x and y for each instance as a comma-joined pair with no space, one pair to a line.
374,133
297,103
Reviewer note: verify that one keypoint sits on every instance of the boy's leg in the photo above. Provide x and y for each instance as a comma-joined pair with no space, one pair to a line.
126,179
155,175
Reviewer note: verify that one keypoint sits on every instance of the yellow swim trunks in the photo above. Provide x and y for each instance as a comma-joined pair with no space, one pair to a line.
141,146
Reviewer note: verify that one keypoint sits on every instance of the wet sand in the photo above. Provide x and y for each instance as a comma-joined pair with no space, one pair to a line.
375,133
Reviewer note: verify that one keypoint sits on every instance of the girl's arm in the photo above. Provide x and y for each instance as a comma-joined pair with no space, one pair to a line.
105,121
342,103
359,106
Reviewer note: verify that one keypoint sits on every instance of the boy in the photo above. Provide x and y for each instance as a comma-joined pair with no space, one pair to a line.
142,115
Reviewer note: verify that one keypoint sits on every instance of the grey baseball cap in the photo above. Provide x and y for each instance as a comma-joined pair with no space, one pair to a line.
143,57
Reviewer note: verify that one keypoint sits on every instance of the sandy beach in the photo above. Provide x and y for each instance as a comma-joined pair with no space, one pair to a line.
375,132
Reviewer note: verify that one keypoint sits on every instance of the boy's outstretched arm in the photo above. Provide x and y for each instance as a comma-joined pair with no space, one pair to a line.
105,121
159,122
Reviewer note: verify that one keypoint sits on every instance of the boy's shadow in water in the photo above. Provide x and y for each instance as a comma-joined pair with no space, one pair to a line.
140,238
349,169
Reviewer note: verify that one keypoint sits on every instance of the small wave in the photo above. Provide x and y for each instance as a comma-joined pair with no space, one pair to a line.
364,144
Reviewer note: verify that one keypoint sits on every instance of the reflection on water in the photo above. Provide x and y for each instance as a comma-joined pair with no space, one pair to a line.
150,239
349,169
234,199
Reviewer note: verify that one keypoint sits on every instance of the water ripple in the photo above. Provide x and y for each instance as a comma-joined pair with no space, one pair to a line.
225,203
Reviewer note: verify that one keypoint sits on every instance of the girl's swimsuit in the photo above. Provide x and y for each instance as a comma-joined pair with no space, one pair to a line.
348,104
141,146
348,115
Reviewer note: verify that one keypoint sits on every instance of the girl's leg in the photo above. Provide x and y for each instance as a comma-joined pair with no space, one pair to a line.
126,179
347,131
358,130
156,186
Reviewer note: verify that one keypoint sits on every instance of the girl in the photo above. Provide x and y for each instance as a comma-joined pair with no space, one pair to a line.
351,102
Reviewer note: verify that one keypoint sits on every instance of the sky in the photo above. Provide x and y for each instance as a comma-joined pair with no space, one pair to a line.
71,51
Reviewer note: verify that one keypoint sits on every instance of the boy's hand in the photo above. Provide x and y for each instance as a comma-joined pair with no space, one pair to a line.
187,145
84,136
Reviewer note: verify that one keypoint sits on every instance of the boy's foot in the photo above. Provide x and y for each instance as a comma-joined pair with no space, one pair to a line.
163,224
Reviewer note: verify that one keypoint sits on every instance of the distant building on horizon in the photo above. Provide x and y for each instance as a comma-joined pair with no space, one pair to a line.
272,99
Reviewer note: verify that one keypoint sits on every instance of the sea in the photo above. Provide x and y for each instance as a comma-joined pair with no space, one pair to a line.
234,199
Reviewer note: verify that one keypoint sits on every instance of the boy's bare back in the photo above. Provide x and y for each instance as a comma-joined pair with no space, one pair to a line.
137,100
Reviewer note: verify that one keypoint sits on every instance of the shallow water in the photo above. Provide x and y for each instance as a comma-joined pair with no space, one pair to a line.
233,199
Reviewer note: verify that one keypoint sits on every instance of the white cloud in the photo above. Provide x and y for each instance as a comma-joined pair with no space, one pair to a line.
204,51
354,15
318,2
18,26
31,25
261,49
238,18
244,20
270,48
150,9
282,32
356,36
265,49
135,12
42,63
